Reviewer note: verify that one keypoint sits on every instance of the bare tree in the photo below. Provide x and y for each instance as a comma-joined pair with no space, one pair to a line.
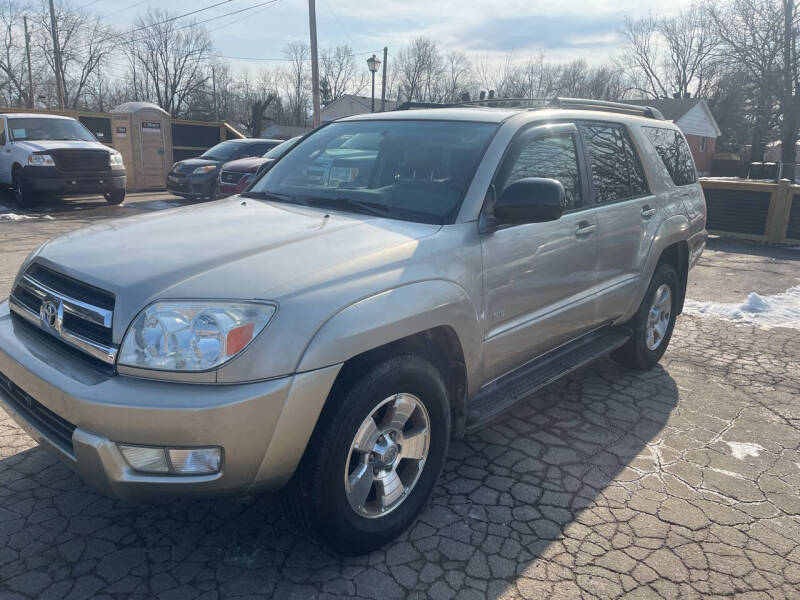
170,61
670,56
297,81
13,70
750,33
419,67
85,44
339,74
457,77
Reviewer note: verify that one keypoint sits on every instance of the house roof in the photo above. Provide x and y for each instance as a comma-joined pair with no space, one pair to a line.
364,101
674,109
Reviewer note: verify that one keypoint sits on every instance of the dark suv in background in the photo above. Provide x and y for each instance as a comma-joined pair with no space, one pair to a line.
197,177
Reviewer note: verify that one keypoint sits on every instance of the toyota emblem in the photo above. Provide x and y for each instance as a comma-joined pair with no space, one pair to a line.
49,314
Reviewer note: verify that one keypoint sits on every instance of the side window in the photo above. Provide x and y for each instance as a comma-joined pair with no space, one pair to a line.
617,172
2,132
553,157
674,153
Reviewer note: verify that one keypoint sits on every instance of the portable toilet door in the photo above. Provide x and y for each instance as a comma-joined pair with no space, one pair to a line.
144,133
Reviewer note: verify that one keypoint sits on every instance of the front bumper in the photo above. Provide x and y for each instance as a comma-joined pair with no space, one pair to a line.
262,427
53,181
192,185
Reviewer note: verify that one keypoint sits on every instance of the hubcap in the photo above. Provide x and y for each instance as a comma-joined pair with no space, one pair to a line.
658,317
387,455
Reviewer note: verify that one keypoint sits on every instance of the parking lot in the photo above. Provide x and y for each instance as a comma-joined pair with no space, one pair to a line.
681,482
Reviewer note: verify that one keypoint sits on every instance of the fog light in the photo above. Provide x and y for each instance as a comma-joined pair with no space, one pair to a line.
149,460
174,461
195,460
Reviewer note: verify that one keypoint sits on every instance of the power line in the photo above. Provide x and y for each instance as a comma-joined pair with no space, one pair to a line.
122,10
259,58
335,16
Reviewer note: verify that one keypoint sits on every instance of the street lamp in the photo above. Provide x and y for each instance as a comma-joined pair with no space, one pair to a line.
373,63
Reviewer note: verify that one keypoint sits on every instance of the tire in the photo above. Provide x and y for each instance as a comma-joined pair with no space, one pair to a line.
318,498
19,189
648,342
115,196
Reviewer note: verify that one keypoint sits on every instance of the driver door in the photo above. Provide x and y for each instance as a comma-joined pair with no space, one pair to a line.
538,277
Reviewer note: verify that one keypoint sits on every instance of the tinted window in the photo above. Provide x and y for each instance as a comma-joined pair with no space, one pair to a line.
224,151
617,172
553,157
674,152
403,169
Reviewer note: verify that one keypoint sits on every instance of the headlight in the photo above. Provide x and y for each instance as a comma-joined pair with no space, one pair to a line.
115,159
206,169
192,336
41,160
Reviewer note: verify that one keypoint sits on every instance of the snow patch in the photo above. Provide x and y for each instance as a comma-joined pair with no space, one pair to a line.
724,472
742,450
779,310
16,217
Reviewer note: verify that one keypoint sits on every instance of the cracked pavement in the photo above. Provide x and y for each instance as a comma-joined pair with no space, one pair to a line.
682,482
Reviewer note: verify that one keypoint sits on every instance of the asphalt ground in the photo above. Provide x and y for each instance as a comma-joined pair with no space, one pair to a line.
682,482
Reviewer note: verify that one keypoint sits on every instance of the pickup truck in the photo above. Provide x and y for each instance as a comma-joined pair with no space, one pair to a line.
394,280
42,154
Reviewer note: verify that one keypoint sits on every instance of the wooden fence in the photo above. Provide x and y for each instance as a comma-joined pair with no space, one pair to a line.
763,212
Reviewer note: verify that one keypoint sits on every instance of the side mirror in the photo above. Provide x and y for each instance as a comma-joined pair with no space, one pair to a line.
531,200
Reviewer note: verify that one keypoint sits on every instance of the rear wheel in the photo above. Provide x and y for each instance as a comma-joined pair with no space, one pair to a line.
374,458
115,196
653,323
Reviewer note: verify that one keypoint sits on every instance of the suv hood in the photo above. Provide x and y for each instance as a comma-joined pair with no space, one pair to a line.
235,249
246,165
40,145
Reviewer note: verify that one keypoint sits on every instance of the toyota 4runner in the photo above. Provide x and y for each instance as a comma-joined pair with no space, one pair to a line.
394,280
52,154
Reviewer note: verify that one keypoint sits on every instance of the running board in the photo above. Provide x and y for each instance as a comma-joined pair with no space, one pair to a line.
524,382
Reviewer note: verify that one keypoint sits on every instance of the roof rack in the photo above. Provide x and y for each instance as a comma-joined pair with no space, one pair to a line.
604,105
538,103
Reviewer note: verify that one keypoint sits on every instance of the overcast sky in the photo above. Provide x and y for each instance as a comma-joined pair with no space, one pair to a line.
563,30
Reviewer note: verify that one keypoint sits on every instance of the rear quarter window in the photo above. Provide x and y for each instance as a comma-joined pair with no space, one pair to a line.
674,153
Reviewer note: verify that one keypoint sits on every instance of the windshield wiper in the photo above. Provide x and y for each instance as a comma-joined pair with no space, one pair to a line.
344,202
271,196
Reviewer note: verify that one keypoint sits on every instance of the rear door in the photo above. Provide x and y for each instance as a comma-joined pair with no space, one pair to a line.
538,277
627,215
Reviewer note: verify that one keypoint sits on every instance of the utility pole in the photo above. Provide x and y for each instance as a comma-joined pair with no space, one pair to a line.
57,57
214,92
28,56
312,26
383,83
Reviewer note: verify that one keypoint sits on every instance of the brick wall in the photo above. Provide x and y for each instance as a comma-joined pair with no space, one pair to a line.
702,160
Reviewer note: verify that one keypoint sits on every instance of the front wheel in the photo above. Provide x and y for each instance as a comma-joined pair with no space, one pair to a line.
374,458
23,197
653,323
115,196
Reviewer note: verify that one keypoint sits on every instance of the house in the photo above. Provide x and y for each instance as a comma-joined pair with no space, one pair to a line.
694,118
350,104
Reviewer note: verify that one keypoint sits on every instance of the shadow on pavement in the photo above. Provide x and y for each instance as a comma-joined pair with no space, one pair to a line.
505,497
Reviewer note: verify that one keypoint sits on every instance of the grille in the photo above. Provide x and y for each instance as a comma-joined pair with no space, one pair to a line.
78,314
57,429
231,176
81,160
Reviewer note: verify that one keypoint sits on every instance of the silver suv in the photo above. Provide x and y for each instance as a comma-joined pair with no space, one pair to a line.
394,280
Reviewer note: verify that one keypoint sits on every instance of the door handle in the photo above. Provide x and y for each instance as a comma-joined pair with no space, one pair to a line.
648,212
585,228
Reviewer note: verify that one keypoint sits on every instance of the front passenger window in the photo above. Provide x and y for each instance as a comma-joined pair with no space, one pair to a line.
552,157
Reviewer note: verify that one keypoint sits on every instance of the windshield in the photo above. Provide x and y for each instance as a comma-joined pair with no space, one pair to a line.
404,169
223,151
32,128
281,149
